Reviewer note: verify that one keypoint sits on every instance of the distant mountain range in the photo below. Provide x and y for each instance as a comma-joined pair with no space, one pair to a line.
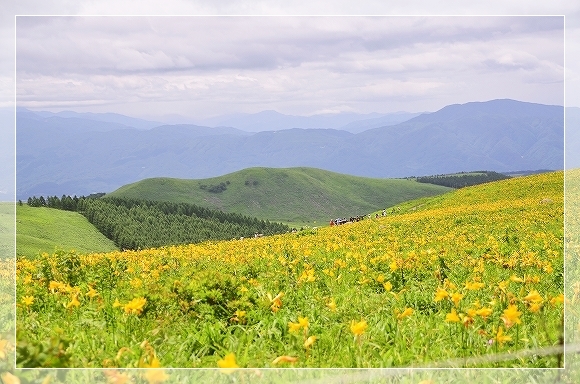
274,121
78,155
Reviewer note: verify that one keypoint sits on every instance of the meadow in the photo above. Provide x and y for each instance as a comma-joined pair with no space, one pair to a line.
41,229
473,272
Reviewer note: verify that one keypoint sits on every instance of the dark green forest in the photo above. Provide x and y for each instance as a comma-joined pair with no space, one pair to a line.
140,224
461,180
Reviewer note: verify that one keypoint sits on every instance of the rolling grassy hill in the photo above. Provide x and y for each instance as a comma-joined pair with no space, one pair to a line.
42,229
6,230
290,195
471,273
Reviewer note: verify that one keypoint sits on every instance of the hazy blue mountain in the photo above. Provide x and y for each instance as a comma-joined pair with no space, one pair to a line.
383,121
114,118
499,135
274,121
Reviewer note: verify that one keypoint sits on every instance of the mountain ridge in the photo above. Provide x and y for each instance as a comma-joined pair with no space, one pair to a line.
461,137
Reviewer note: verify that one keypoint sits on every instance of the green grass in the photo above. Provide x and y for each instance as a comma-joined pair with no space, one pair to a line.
44,229
6,229
192,305
296,196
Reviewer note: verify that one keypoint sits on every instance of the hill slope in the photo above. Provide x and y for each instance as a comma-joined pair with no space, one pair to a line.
284,194
6,230
452,272
42,229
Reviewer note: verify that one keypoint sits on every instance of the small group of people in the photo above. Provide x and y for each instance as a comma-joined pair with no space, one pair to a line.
340,221
344,220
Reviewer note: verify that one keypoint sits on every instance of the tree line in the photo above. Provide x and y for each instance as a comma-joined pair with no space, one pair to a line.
139,223
463,179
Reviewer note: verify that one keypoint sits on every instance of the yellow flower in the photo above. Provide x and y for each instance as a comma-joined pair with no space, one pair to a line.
74,302
135,306
276,301
441,294
331,305
473,286
484,312
500,337
557,299
228,363
56,285
535,307
309,341
240,313
284,359
452,317
503,285
511,315
28,300
380,278
303,322
358,328
92,293
405,313
388,286
393,266
117,303
293,327
534,297
449,285
456,297
516,279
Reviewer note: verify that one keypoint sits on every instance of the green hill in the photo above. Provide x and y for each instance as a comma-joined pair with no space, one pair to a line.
290,195
40,229
6,230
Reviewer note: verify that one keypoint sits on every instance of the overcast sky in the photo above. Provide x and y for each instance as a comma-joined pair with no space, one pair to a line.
210,65
204,66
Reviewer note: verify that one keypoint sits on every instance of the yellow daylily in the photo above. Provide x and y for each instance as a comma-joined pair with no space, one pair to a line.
309,341
452,317
228,363
358,328
407,312
511,316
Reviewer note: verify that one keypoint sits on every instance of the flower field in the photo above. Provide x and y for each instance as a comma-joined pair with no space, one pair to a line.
473,272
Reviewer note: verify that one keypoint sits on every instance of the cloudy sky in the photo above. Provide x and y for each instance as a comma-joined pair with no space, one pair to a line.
202,66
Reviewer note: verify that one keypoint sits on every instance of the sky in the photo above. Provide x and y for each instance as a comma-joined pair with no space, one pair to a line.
203,66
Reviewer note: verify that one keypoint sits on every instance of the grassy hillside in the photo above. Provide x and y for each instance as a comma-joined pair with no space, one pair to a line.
474,272
6,229
42,229
289,195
